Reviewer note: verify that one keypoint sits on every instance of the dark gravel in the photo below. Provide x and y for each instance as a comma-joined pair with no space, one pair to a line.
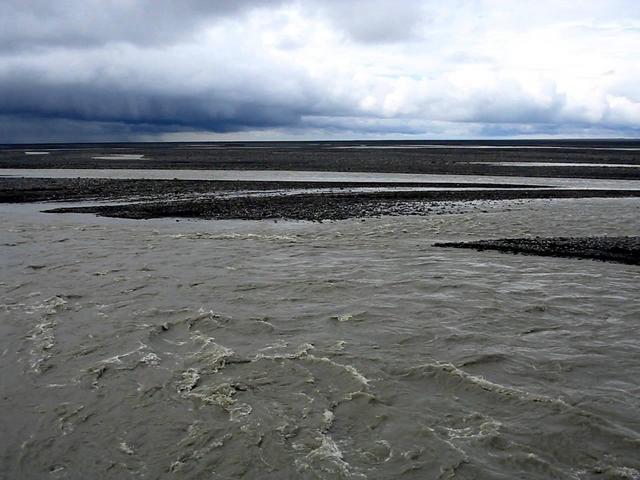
608,249
13,189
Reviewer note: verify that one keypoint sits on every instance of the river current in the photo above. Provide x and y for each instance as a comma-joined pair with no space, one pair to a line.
351,349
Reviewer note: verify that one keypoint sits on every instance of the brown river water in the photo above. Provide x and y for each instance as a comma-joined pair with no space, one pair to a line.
351,349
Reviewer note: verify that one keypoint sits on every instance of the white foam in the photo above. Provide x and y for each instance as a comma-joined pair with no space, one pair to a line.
189,379
337,347
329,453
222,395
211,354
490,386
43,337
625,473
485,429
327,420
239,411
233,236
349,368
33,152
277,345
117,359
125,448
150,359
303,350
50,306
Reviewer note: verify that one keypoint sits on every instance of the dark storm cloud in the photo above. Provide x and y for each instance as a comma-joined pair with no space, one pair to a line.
27,24
208,110
36,129
147,110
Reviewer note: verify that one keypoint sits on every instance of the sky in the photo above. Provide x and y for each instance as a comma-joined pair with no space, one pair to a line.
197,70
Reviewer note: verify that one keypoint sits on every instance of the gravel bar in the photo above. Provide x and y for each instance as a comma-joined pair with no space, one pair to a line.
608,249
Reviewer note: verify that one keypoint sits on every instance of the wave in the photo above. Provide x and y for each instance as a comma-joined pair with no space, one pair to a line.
235,236
452,372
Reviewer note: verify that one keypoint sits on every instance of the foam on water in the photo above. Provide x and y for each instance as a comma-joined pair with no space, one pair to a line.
302,351
327,460
454,372
126,449
349,368
188,381
222,395
43,338
150,359
235,236
42,335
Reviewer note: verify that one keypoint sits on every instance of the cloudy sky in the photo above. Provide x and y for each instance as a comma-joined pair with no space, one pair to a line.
110,70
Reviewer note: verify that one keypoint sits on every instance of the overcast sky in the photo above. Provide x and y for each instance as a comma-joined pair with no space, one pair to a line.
111,70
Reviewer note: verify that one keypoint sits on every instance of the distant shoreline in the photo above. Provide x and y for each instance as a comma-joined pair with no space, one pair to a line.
344,157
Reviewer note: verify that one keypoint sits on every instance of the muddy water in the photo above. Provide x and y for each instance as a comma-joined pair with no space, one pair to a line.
156,349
